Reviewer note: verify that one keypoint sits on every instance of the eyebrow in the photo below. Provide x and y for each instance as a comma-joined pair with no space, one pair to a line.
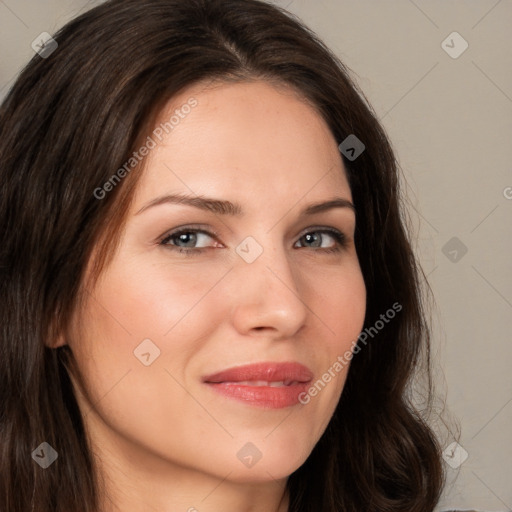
224,207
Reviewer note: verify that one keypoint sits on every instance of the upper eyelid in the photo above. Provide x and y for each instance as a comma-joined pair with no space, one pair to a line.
186,229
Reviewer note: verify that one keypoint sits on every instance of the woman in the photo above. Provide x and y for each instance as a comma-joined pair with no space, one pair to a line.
209,298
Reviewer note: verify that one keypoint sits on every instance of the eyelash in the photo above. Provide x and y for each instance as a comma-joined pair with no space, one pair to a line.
339,237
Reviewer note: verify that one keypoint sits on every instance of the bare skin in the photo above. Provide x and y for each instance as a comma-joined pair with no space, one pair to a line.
163,439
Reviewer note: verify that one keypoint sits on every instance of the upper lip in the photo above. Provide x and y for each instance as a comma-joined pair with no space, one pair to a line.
269,372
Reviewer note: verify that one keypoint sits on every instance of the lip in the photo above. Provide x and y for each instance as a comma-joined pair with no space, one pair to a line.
233,383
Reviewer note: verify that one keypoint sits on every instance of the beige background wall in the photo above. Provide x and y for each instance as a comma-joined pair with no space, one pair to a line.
450,120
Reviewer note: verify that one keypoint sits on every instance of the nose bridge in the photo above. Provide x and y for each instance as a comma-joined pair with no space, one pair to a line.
269,293
267,257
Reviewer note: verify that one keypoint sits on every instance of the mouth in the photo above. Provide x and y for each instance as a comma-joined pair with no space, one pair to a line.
266,385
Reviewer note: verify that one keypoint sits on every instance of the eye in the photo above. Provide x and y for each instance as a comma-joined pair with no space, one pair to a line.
184,240
192,241
315,239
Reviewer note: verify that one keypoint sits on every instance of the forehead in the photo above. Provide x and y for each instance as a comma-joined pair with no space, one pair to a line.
252,137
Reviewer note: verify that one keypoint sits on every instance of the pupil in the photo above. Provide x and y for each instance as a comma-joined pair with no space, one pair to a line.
190,236
310,238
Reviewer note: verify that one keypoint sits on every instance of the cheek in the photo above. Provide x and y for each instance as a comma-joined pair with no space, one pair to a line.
153,299
134,303
160,312
341,303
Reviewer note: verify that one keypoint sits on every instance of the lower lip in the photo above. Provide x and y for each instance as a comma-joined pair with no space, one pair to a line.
262,396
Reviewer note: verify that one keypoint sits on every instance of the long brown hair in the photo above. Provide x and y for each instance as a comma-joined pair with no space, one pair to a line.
69,122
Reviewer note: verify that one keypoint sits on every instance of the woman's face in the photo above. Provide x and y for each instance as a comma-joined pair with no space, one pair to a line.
267,285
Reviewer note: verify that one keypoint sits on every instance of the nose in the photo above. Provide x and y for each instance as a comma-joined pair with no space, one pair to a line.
267,296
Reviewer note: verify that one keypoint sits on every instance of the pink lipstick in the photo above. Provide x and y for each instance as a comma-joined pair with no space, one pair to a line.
267,385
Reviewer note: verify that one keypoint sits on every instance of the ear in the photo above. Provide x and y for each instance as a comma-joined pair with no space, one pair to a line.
56,342
56,336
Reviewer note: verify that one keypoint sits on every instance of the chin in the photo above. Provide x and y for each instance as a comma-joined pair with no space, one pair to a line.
277,465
